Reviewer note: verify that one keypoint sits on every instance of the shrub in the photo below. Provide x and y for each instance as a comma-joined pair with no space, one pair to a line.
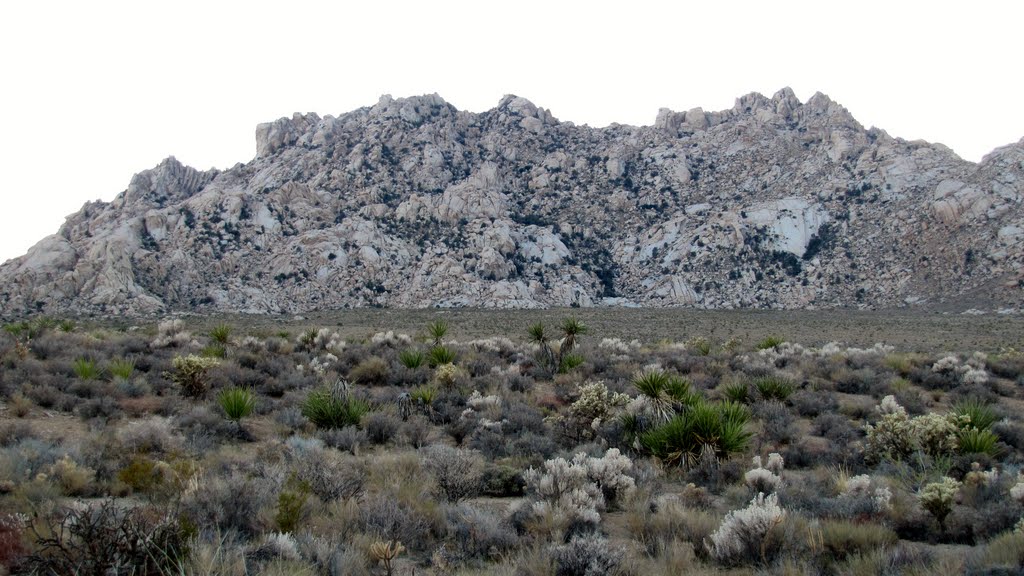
381,427
291,505
12,545
237,403
938,498
107,538
457,473
590,555
333,409
681,440
745,535
372,371
479,534
348,438
190,373
842,539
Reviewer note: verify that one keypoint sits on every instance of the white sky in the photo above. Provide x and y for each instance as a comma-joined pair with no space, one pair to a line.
93,92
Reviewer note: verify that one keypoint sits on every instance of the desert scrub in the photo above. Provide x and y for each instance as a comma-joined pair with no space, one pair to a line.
190,373
896,436
237,403
331,408
457,473
746,536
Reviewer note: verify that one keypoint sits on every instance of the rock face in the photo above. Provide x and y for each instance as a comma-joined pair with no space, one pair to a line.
412,203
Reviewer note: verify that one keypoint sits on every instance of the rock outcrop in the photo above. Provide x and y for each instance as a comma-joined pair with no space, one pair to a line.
773,203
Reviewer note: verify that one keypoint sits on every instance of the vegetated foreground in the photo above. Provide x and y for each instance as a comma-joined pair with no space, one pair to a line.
542,442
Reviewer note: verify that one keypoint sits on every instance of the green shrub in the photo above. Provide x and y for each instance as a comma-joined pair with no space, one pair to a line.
291,505
411,359
769,342
122,368
66,326
329,409
722,427
86,369
237,403
220,334
842,539
372,371
440,355
774,388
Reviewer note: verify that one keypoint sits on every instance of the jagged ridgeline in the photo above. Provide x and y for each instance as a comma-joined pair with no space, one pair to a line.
412,203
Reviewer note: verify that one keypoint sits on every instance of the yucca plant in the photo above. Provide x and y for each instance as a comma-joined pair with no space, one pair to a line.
666,393
773,388
769,342
220,334
121,368
411,359
424,395
86,369
572,329
214,351
979,414
329,409
975,441
437,330
720,427
737,392
237,403
570,362
440,355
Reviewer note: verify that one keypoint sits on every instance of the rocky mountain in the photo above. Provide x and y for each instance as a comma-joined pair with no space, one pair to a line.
412,203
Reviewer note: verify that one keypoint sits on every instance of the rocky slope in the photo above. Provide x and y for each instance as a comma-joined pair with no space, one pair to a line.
412,203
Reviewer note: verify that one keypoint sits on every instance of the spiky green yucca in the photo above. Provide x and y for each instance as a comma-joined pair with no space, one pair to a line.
326,409
665,392
572,329
722,427
411,359
424,395
437,329
440,355
980,415
570,362
737,392
220,334
769,342
773,388
86,369
975,441
237,403
121,368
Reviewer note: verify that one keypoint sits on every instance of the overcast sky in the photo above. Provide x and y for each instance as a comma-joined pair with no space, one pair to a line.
93,92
